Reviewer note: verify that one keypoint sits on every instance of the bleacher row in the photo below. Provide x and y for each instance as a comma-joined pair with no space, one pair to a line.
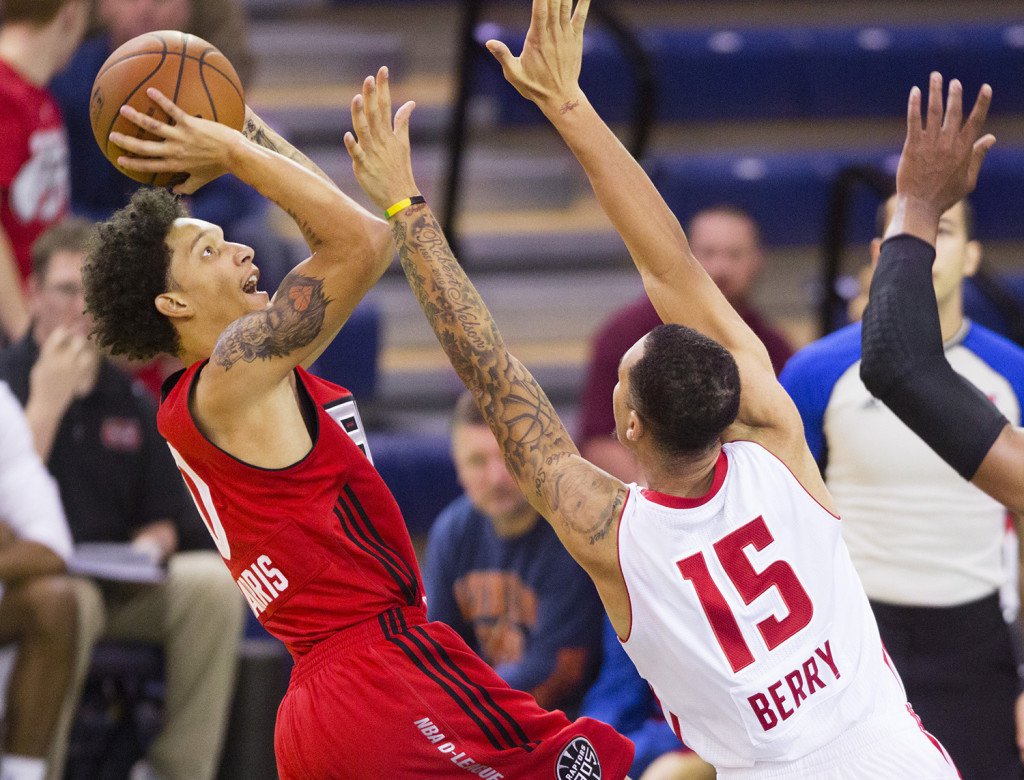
742,75
808,73
788,73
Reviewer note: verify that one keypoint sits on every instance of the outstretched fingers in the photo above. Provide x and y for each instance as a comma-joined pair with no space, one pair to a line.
384,95
146,164
360,124
579,17
934,122
979,113
540,13
402,117
564,12
954,107
914,125
372,103
978,151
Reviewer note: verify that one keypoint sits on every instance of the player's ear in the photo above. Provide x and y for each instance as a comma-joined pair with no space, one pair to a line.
173,305
972,261
634,426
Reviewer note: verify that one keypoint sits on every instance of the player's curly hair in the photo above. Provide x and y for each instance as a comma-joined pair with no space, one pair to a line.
127,268
686,388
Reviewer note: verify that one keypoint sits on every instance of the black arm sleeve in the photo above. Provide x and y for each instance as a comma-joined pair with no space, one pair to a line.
903,363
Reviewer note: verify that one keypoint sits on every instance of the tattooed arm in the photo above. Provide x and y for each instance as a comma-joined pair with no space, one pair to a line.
547,72
262,134
582,503
350,250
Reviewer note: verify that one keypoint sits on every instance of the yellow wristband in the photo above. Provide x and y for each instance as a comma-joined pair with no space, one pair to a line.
403,204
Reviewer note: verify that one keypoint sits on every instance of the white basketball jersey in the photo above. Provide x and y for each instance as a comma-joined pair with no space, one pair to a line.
748,619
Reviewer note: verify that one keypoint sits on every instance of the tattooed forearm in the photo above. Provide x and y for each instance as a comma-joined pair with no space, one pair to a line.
257,131
574,483
294,321
311,236
536,446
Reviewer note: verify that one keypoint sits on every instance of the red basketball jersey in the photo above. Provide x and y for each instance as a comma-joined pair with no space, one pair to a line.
315,547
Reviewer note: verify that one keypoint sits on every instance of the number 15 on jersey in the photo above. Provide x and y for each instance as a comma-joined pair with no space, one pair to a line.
750,585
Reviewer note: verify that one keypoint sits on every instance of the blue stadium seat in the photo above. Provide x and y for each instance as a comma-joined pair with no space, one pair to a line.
419,471
787,192
782,73
351,359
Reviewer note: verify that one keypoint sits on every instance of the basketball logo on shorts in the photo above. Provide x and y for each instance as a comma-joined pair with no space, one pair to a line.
578,761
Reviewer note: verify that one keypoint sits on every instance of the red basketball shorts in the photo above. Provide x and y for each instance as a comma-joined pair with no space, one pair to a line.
396,698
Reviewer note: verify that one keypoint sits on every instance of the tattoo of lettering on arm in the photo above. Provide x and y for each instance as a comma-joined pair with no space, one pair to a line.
568,106
261,135
537,449
293,322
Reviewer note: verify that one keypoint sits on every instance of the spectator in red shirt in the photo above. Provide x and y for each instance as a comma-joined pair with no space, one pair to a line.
727,242
37,39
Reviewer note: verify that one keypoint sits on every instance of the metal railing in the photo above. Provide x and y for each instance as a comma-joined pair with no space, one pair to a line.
644,100
832,307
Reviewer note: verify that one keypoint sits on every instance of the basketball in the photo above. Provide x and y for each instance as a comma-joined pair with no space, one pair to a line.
190,71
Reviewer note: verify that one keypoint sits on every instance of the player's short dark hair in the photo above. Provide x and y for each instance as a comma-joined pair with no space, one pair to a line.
69,235
35,12
882,218
127,268
467,412
685,388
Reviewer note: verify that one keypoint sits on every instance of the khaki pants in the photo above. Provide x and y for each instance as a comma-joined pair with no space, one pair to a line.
196,614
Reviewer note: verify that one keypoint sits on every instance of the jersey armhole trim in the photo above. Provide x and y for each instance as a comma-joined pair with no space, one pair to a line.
794,476
618,556
305,398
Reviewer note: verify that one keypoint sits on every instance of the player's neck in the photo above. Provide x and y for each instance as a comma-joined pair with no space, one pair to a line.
684,478
28,51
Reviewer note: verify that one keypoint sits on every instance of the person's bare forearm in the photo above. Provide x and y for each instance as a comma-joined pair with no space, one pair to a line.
262,134
676,283
538,450
326,216
44,423
914,217
643,219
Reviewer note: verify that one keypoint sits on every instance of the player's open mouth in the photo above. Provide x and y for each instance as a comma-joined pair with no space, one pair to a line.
250,284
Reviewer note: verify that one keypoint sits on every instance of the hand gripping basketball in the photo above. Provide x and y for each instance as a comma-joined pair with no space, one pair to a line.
188,144
192,72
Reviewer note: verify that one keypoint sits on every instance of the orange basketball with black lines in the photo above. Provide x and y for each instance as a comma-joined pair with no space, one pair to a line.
190,71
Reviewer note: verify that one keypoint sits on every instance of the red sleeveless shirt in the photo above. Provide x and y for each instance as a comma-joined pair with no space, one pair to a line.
314,547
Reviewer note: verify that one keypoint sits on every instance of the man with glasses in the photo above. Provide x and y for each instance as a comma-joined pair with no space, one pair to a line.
96,431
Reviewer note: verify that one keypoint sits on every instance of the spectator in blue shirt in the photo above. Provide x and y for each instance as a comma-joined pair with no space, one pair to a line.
624,700
498,575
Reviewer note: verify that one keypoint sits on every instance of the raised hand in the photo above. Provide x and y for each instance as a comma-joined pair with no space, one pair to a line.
379,148
943,153
548,70
188,144
66,369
